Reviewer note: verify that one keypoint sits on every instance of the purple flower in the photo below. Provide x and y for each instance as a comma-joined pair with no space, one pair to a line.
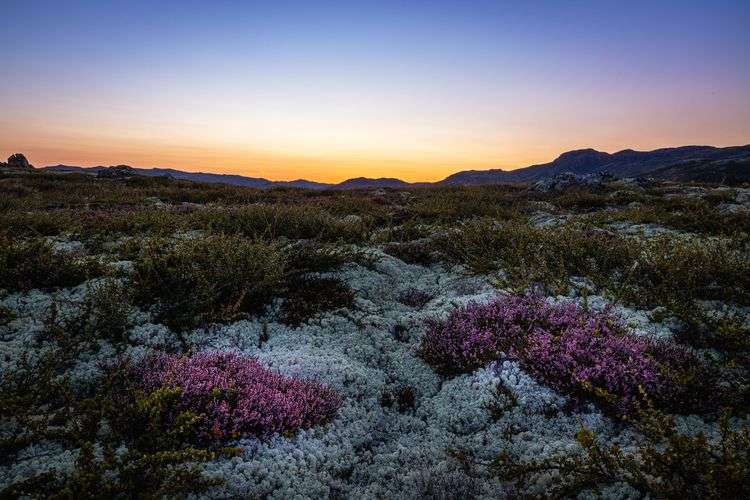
582,353
235,395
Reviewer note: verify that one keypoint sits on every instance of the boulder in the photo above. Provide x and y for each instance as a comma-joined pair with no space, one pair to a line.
18,160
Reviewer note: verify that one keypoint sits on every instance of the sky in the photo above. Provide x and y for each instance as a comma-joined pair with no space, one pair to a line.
332,90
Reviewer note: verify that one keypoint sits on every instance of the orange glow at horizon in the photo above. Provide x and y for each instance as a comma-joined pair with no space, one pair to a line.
415,159
278,166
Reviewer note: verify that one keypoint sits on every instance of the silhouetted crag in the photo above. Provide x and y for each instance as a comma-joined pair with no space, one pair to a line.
17,160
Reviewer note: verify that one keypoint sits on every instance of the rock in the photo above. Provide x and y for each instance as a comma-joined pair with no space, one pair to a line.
732,208
18,160
352,219
117,172
155,201
565,180
639,182
544,219
742,197
542,206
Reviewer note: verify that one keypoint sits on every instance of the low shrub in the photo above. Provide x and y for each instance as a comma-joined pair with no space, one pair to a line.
209,279
308,296
412,252
35,223
104,313
269,222
29,264
502,401
232,395
316,257
588,355
400,398
414,297
530,256
690,215
6,315
676,271
667,464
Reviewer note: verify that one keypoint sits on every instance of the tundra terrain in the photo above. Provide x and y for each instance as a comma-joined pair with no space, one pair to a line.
582,336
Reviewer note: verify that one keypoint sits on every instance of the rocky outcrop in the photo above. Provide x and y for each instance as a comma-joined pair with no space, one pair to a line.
18,160
117,172
566,180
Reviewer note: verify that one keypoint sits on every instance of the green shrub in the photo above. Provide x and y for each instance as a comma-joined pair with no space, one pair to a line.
6,315
316,257
401,398
667,464
412,252
36,223
528,255
502,401
454,203
29,264
309,296
209,279
270,222
675,271
693,215
104,313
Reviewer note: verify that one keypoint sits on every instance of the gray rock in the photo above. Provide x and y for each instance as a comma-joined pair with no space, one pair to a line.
742,196
566,180
732,208
117,172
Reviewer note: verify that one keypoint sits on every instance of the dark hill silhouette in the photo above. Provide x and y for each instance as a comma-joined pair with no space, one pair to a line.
667,163
687,163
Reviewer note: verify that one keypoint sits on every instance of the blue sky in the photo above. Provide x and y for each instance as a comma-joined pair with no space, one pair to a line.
407,89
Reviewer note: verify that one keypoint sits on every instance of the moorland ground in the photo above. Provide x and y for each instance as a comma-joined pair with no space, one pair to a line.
170,338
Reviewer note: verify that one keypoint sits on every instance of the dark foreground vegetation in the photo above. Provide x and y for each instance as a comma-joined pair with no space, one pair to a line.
99,254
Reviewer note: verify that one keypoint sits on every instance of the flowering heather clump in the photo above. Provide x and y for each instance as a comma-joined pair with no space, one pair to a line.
414,297
579,352
474,335
235,395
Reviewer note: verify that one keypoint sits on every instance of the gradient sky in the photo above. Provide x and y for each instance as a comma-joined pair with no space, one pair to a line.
332,90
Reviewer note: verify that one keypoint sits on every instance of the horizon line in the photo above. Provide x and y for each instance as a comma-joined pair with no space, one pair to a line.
297,179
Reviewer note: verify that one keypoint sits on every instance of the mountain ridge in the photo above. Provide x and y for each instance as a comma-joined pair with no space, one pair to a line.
705,163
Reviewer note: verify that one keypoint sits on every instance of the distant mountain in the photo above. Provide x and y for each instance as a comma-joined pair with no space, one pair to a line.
705,163
687,163
239,180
